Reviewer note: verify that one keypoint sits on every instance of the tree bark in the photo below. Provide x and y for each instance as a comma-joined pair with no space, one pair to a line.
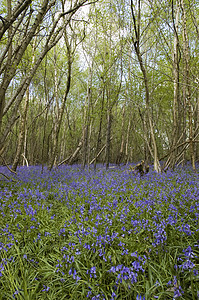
86,126
108,137
61,110
127,142
136,43
121,152
98,144
187,78
21,133
176,84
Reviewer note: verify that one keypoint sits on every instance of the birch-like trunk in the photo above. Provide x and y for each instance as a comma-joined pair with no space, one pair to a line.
122,145
176,83
173,157
187,81
60,111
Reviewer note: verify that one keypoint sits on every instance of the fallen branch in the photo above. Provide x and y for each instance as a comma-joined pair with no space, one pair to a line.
5,176
98,154
8,166
64,161
71,158
178,146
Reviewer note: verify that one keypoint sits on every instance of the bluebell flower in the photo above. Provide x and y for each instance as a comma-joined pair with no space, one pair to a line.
140,297
15,293
195,272
113,296
89,294
178,292
46,288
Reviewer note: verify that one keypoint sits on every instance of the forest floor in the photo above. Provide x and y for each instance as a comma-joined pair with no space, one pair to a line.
85,234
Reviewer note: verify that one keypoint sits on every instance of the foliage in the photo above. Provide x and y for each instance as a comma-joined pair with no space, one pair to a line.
73,233
104,62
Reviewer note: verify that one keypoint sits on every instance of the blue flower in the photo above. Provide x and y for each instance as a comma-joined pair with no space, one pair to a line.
139,297
15,293
113,296
178,292
46,288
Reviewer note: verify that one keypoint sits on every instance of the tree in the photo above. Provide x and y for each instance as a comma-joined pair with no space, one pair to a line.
187,81
137,47
9,66
31,27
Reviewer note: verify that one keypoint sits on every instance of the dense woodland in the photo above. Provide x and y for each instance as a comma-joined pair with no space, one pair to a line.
99,81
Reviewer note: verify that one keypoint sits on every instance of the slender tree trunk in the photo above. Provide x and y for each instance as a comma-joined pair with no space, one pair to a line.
21,133
86,126
25,161
176,85
136,43
157,167
43,160
197,126
98,144
188,88
9,33
89,140
56,113
108,137
121,152
127,142
61,111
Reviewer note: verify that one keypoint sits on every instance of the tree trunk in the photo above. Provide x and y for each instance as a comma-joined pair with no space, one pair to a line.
86,126
136,43
108,137
197,126
98,144
21,133
187,78
61,110
121,152
176,86
127,142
